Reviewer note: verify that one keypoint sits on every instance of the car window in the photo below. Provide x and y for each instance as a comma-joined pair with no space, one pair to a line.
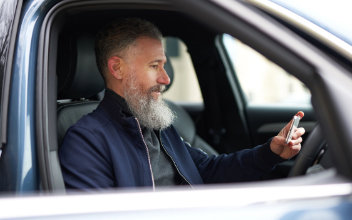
7,14
7,11
185,87
262,81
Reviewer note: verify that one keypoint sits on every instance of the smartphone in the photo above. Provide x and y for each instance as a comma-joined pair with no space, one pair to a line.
293,127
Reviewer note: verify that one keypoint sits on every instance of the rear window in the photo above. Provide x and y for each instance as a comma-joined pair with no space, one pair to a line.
185,87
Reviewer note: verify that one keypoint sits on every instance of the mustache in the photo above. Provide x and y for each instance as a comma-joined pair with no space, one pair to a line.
157,88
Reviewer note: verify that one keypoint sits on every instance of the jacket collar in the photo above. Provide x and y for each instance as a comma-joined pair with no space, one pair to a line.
116,107
116,99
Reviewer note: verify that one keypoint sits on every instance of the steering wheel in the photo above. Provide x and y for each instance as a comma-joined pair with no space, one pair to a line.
313,148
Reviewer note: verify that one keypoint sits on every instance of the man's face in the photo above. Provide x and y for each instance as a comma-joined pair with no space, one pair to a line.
145,59
144,80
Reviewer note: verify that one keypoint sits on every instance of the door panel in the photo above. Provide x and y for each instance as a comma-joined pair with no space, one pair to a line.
267,121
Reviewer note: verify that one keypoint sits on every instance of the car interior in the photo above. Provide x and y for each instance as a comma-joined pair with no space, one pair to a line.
74,87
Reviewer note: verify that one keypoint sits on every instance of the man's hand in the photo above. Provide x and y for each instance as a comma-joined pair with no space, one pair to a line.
278,144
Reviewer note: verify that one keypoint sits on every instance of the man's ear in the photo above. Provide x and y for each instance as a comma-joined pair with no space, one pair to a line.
114,66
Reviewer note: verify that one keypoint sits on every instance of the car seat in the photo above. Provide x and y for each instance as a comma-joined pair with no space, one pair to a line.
80,86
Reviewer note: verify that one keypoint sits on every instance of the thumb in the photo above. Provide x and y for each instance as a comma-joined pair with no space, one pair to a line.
285,130
300,114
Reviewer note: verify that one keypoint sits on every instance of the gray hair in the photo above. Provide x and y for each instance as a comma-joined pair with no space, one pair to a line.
118,35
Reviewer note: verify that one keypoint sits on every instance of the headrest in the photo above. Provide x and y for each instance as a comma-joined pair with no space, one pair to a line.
78,74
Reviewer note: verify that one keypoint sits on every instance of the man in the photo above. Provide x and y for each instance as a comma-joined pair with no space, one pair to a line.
129,140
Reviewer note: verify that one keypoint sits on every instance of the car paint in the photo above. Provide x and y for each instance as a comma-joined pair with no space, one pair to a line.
21,108
246,201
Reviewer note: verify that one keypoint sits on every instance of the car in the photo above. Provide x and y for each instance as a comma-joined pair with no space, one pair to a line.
240,69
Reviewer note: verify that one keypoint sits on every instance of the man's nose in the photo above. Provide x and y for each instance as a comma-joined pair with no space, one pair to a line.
163,77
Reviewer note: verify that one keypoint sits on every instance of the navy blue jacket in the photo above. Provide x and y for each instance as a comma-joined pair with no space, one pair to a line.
106,149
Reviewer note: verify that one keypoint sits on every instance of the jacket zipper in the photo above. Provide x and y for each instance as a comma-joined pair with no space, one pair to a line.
146,147
184,178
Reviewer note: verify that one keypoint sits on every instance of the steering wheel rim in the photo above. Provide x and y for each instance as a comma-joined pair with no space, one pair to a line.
310,151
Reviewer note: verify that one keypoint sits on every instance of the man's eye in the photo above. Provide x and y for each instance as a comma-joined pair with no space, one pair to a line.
154,66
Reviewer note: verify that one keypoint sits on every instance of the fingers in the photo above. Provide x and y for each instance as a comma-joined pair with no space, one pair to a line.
295,149
300,114
296,137
285,151
285,130
278,144
298,133
297,141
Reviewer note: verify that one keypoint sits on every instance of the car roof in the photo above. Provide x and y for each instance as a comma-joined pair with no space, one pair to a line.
337,22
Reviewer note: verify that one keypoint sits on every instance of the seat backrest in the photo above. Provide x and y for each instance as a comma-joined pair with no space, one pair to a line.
68,114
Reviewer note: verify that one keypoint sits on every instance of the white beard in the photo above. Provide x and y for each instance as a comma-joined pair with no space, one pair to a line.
153,114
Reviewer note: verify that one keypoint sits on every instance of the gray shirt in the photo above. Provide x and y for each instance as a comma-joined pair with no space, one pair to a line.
163,169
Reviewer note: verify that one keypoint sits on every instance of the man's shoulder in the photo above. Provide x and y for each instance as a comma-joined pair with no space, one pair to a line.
92,127
93,120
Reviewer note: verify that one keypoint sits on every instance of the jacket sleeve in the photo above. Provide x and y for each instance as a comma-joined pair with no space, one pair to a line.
244,165
85,163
